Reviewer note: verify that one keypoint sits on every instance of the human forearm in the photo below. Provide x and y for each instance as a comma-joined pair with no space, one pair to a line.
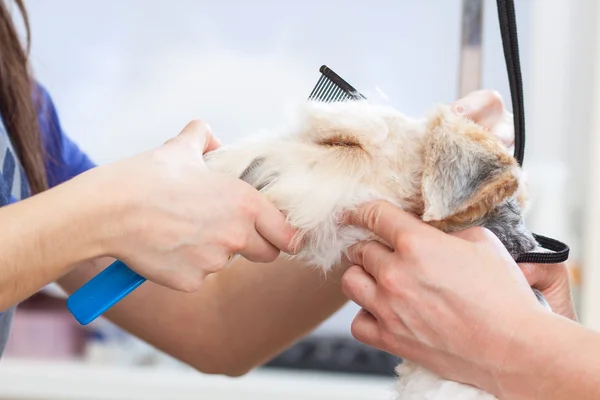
551,357
238,319
42,237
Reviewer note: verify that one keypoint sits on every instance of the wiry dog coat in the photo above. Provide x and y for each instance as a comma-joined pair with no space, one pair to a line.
336,156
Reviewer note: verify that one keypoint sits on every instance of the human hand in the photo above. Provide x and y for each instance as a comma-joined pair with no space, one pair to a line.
486,108
449,302
553,282
174,221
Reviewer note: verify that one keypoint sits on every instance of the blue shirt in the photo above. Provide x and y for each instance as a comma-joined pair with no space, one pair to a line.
64,160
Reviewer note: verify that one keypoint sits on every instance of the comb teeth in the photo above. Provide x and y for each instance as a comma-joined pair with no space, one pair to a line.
331,87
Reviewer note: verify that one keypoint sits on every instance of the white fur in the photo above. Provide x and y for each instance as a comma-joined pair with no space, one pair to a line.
417,383
316,183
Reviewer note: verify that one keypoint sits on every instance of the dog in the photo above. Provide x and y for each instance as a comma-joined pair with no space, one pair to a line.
334,157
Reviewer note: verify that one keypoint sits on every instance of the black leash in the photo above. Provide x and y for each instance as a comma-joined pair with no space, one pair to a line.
508,31
510,43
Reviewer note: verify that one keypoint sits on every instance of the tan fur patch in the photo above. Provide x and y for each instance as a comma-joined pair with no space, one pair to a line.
493,193
478,135
483,202
340,140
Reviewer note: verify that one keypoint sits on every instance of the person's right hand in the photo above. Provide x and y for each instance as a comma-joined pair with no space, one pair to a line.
174,221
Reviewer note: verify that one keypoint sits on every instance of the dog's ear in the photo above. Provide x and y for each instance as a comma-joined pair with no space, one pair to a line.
466,171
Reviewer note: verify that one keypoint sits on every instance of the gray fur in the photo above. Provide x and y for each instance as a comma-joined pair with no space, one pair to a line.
461,172
506,222
475,176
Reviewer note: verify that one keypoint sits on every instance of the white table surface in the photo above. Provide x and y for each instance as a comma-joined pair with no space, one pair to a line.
23,379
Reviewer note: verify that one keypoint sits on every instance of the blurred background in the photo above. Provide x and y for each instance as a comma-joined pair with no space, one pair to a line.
128,75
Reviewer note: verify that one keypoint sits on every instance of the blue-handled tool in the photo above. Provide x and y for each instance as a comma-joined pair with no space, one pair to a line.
103,291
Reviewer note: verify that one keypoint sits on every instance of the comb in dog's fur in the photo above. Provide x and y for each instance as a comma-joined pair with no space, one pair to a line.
331,87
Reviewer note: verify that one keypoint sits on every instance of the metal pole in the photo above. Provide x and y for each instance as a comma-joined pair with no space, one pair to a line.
469,78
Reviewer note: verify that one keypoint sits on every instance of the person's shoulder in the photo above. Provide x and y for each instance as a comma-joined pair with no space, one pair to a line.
48,122
64,157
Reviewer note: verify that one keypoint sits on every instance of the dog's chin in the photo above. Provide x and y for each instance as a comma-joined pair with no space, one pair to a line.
504,220
507,223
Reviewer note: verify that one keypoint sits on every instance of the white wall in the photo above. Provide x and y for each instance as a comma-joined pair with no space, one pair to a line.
589,104
127,75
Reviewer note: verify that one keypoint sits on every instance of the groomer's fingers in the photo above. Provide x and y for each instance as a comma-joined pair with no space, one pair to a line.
553,281
272,225
543,276
372,256
486,108
384,219
259,250
477,234
365,329
482,106
197,136
360,287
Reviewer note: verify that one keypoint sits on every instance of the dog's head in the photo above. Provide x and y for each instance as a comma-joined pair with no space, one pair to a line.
470,179
443,168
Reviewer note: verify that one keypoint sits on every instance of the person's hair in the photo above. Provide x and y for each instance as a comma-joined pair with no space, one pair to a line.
18,98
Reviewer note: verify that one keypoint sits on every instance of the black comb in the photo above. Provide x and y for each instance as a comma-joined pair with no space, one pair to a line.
331,87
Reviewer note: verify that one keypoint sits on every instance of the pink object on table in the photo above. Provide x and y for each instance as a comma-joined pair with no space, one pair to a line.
44,329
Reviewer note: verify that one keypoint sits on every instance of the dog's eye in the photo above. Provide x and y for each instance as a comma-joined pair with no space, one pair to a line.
340,141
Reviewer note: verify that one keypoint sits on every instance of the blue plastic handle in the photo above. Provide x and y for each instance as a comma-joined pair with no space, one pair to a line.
103,291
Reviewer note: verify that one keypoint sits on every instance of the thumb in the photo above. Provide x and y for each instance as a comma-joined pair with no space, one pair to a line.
198,136
542,276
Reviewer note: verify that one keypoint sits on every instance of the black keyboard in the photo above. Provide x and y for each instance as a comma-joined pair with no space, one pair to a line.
335,354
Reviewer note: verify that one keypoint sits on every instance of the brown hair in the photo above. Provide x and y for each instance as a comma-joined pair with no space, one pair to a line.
17,104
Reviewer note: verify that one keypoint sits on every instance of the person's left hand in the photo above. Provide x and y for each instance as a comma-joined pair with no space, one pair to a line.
449,302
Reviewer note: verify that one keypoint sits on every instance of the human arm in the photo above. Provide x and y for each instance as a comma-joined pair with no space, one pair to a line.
107,211
41,236
464,311
241,317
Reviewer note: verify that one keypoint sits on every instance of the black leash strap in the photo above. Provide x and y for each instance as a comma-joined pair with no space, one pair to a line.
560,252
508,29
